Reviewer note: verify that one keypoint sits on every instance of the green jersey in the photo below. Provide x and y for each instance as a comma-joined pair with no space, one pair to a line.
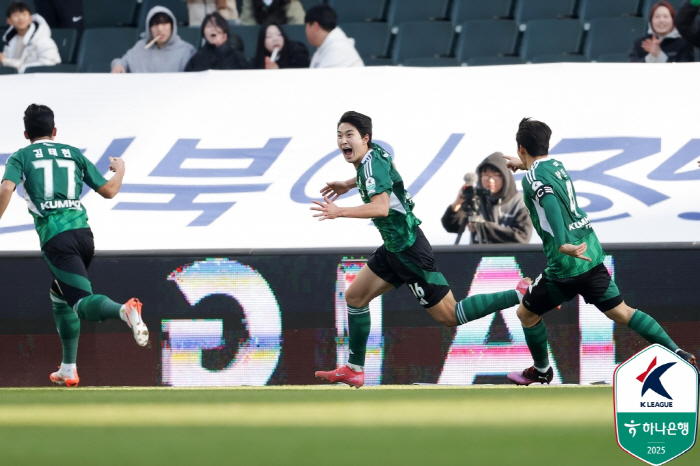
375,175
549,177
53,176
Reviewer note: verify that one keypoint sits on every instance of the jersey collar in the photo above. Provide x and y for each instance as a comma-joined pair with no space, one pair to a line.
367,156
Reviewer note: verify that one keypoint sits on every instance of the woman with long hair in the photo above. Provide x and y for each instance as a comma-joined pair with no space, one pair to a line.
275,50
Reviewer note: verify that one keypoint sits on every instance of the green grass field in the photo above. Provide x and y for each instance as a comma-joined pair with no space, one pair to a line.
402,425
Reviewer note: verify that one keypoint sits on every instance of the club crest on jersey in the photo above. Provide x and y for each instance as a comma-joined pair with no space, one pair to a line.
370,185
60,204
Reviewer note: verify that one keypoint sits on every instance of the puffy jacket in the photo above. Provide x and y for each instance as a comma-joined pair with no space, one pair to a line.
39,48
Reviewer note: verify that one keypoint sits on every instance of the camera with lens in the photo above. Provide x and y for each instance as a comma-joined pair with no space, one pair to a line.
474,198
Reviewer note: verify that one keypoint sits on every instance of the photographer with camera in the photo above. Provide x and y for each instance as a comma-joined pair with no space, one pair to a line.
489,207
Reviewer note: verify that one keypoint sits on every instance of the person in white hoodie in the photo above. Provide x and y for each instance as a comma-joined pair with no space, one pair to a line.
28,41
335,49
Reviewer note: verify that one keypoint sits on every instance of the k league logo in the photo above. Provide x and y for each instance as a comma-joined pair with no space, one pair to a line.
656,405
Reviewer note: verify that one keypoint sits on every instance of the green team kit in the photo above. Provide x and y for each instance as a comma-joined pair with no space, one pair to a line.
53,175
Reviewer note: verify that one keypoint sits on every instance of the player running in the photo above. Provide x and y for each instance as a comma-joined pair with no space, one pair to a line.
574,255
405,257
53,176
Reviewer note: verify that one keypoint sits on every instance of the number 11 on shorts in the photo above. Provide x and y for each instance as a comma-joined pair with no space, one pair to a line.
346,273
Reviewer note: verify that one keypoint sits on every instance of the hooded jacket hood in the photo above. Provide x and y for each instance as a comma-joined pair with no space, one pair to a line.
38,29
154,11
509,189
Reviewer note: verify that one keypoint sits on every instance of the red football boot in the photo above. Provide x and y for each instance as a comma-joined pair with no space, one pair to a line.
343,375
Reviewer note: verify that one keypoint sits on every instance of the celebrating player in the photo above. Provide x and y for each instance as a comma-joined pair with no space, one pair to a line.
574,255
405,256
53,176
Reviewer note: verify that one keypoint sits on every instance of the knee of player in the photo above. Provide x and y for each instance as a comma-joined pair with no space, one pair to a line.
527,318
355,299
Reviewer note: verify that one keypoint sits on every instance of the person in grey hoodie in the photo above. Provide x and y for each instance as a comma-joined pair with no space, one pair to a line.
162,50
506,219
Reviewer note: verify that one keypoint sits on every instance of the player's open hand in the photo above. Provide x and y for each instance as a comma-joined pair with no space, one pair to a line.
575,251
116,164
514,163
327,209
333,189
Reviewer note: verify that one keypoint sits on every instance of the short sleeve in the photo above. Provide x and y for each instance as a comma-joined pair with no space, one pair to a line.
378,176
92,176
13,169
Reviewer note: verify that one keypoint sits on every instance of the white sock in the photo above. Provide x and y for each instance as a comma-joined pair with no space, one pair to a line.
356,368
122,313
543,370
520,295
68,369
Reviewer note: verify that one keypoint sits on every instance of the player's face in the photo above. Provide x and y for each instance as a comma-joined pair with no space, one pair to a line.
214,34
662,22
20,20
273,38
351,143
164,30
492,179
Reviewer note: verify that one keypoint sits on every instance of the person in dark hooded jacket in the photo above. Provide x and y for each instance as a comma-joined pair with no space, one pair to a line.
219,51
506,219
688,22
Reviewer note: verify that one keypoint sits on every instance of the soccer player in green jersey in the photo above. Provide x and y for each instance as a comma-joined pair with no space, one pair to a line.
405,257
574,255
53,175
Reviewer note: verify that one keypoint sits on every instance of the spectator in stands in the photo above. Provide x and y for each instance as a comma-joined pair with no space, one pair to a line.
506,219
217,52
335,49
28,40
688,23
61,14
198,9
266,11
663,43
162,51
290,53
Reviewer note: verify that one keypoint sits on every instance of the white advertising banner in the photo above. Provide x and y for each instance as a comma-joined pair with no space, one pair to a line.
233,159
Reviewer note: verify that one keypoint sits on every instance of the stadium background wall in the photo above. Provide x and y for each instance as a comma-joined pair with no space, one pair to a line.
282,324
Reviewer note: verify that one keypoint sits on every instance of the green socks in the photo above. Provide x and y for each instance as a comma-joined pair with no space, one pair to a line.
650,330
536,339
68,325
358,328
478,306
97,308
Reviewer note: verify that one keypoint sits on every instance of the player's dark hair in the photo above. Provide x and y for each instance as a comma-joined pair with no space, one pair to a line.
38,121
218,21
324,15
534,136
16,7
363,123
160,18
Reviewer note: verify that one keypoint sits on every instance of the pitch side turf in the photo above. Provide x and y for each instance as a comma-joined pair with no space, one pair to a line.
329,425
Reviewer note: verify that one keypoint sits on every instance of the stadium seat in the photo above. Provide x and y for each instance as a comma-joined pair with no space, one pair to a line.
378,62
527,10
490,61
108,13
594,9
249,36
192,35
647,4
401,11
371,39
61,68
423,39
66,40
178,7
358,10
613,58
550,36
486,38
431,62
297,32
7,70
559,58
613,36
470,10
99,47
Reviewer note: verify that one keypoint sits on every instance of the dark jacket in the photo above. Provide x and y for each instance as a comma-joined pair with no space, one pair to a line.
293,55
688,24
506,217
673,46
223,57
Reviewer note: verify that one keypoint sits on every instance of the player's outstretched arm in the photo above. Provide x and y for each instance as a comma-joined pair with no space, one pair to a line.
6,189
334,189
112,187
378,207
514,163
